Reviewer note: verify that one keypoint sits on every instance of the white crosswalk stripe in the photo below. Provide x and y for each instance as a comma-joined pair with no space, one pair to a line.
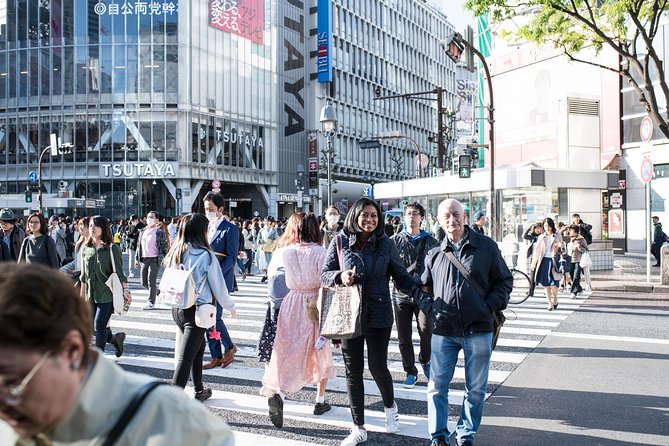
150,350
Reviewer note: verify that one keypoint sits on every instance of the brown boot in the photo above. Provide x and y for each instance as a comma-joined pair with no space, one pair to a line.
215,362
229,356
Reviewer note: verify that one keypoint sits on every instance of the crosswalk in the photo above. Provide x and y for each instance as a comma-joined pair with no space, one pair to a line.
150,350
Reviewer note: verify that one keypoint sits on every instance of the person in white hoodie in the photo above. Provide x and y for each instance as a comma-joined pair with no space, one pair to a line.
191,250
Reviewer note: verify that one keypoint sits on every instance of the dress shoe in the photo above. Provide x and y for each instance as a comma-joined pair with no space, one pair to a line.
229,356
215,362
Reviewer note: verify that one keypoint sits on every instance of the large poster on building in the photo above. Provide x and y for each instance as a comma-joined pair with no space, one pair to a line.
465,108
245,18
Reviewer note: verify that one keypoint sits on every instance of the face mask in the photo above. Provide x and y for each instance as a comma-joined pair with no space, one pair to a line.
332,219
211,216
150,221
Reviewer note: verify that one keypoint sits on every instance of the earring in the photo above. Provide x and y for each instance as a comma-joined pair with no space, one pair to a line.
75,365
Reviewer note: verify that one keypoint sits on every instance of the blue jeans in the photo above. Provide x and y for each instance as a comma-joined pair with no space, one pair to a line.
101,315
477,348
215,344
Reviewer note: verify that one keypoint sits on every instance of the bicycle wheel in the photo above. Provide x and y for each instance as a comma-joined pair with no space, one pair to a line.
521,287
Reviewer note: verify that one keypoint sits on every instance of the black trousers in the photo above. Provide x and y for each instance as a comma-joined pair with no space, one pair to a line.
576,272
377,358
190,350
405,313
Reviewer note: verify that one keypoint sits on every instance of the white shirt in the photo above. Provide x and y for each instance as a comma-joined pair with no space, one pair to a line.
548,244
213,226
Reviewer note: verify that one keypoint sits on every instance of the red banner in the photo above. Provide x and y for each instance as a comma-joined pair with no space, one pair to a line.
245,18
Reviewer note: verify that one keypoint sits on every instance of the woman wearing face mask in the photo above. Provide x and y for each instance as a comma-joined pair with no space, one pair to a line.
223,237
331,226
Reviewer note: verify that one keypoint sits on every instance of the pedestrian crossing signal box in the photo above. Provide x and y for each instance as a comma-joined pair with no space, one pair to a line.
29,196
465,166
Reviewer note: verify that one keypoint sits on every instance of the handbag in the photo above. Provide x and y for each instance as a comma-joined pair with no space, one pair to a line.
269,246
498,315
205,316
177,286
340,308
586,260
114,284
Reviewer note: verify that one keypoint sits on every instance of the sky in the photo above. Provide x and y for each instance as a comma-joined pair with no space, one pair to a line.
456,15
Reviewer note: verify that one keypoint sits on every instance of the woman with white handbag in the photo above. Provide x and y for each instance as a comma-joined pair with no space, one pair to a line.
191,251
96,269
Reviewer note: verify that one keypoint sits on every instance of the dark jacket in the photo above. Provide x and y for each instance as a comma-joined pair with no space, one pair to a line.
413,258
329,234
16,237
457,309
225,244
375,265
5,256
133,234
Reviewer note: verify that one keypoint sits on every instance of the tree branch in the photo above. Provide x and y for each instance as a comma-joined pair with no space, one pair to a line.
594,64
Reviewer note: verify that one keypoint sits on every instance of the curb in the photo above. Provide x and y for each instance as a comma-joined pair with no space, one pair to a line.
633,288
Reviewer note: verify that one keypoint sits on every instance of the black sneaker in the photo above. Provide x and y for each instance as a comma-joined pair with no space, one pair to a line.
321,408
203,394
275,404
439,441
119,343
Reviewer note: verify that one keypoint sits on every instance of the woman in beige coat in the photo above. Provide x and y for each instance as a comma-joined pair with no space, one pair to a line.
547,245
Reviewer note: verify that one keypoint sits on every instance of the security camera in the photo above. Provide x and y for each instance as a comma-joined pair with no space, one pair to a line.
62,184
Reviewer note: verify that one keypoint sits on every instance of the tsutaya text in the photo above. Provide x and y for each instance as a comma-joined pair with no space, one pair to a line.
139,8
138,170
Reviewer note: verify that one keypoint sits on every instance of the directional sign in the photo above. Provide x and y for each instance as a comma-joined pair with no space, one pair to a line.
646,170
646,129
369,144
32,177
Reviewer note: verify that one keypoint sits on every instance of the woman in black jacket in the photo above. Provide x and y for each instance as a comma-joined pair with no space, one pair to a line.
369,258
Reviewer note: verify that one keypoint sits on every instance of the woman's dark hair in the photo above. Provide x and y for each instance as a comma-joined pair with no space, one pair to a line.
39,306
102,223
215,198
351,221
192,231
302,227
43,225
551,224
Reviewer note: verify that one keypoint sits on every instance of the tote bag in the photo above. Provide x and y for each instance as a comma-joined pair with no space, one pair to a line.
340,308
586,260
114,284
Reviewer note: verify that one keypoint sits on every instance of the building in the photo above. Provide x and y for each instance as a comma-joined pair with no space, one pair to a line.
164,100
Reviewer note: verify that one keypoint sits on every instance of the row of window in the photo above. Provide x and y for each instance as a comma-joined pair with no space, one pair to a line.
33,23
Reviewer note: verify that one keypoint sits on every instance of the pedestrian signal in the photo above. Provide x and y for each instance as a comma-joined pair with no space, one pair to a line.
29,196
465,166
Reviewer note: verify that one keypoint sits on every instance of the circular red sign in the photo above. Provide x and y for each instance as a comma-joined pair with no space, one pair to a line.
646,170
215,184
646,129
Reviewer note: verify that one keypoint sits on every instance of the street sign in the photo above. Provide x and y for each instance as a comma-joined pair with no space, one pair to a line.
646,170
622,184
646,129
366,144
32,177
215,184
384,205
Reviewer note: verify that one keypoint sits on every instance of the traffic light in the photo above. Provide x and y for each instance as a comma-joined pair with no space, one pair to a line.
29,196
465,166
179,193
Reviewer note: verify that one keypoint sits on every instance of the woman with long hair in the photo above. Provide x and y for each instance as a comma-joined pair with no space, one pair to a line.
191,250
368,258
38,247
543,263
97,255
298,358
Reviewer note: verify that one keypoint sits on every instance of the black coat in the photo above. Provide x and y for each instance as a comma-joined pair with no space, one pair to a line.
375,265
413,258
457,309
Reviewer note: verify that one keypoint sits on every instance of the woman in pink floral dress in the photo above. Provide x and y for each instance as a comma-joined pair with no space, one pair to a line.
298,358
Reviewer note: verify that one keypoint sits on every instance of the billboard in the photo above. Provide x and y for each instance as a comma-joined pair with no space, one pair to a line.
324,59
245,18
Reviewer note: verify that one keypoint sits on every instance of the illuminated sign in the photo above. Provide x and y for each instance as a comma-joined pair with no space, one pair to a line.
245,18
138,170
136,8
324,60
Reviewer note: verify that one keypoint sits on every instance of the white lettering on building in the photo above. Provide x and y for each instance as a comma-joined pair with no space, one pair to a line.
138,170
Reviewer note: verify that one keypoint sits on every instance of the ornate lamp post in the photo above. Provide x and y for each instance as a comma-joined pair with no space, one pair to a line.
328,126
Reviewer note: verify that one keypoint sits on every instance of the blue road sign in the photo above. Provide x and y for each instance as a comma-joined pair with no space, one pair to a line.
32,177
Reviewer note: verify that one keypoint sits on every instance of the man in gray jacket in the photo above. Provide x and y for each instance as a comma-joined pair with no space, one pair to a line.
462,319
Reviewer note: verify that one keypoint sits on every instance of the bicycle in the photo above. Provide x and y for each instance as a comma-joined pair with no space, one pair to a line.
522,287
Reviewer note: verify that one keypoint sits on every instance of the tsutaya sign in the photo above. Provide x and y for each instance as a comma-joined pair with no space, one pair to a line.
138,170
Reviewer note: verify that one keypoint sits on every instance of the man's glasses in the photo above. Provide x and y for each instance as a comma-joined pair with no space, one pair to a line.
413,214
10,396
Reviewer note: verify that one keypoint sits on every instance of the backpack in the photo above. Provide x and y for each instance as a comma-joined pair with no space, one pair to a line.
177,286
586,235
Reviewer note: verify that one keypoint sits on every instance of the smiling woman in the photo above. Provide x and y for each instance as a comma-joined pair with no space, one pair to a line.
50,377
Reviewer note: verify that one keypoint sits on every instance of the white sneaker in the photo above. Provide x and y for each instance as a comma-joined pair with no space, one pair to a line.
148,306
392,419
131,275
572,296
356,436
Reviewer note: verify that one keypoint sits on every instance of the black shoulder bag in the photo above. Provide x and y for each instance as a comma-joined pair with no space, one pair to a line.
130,411
498,315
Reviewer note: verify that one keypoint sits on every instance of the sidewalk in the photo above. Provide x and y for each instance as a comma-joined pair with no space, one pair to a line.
628,274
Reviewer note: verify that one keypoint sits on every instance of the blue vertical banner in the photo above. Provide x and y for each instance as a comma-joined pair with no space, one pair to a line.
324,41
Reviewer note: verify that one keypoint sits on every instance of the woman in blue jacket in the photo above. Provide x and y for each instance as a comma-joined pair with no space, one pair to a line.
192,250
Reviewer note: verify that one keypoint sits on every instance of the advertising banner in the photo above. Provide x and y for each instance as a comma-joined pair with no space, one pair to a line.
245,18
324,41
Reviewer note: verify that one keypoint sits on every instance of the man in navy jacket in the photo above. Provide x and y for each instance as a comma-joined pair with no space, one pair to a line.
224,240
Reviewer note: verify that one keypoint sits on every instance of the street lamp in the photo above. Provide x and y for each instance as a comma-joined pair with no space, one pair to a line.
328,125
55,149
454,48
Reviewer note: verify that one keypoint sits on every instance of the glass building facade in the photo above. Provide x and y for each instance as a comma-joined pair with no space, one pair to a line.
159,98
